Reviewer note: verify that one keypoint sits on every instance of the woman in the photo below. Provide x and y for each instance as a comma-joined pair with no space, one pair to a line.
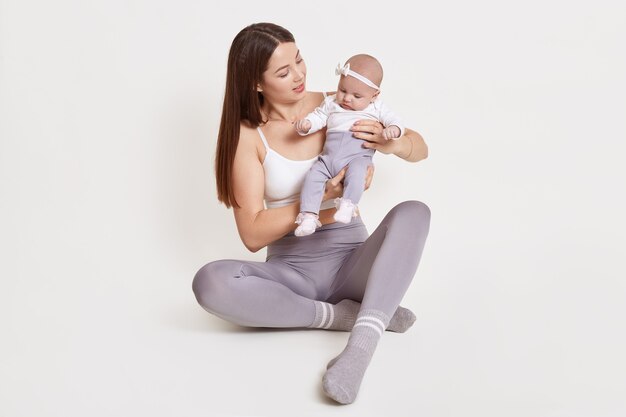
338,278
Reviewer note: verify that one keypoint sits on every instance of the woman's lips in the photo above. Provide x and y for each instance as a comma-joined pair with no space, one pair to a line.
299,89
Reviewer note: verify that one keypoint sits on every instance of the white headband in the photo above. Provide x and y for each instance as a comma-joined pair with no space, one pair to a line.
345,70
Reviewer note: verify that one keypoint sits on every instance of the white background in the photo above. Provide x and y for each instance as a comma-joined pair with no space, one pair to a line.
109,113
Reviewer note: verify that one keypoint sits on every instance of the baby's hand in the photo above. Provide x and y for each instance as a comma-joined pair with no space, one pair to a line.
303,126
391,132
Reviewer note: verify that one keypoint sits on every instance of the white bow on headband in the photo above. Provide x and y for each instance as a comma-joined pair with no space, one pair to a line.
345,71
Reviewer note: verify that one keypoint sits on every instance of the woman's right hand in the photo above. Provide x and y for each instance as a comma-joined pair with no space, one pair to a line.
334,186
334,189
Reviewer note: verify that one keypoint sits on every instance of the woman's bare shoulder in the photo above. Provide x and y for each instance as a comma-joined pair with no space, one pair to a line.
249,140
246,129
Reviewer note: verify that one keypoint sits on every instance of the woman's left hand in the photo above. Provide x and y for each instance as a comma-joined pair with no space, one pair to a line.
371,131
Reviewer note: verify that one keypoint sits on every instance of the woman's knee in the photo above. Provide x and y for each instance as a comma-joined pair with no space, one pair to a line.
210,282
411,212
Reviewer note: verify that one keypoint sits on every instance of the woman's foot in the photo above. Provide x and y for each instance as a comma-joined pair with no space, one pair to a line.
341,316
347,310
343,378
308,222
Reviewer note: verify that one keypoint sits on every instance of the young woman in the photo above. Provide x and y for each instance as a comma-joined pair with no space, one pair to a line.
338,278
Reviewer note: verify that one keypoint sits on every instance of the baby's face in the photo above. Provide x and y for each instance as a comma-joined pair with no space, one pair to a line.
353,94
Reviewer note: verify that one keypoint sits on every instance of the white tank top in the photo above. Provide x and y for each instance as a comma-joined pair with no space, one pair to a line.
284,177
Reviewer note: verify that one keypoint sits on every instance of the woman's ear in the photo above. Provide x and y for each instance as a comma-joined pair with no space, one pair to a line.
258,88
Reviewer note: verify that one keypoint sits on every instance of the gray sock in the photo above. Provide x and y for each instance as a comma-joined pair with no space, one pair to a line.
343,378
342,316
402,320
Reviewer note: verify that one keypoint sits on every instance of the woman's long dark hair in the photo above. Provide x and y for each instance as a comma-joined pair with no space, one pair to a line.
249,55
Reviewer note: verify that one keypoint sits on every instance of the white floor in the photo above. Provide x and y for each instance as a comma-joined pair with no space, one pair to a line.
87,338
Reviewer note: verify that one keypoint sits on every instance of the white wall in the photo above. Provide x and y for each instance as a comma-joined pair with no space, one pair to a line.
108,119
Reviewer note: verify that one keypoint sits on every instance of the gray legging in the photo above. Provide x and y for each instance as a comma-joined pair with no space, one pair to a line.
338,261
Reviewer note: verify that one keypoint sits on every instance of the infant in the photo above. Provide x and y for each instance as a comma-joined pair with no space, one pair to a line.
356,98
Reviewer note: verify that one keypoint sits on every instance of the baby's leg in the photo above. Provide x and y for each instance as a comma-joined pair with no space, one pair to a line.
353,187
354,182
314,186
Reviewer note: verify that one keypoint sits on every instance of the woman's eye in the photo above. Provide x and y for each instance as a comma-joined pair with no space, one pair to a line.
283,75
297,62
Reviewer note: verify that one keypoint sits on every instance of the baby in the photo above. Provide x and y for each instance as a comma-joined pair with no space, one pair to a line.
356,98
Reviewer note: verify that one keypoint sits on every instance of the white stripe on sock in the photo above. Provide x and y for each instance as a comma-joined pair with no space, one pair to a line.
332,316
374,319
323,315
373,326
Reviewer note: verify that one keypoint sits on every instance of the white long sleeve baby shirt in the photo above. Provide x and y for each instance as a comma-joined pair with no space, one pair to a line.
338,119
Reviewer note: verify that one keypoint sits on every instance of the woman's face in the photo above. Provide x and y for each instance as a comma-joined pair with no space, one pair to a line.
285,77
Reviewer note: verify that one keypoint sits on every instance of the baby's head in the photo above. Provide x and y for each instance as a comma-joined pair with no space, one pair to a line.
354,94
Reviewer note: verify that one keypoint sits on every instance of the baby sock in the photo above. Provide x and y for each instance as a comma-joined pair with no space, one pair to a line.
343,378
308,222
346,210
342,316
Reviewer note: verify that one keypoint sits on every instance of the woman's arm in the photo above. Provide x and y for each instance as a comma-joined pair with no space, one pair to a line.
258,226
410,147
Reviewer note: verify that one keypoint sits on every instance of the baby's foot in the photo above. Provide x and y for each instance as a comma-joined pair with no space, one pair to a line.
308,222
345,210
